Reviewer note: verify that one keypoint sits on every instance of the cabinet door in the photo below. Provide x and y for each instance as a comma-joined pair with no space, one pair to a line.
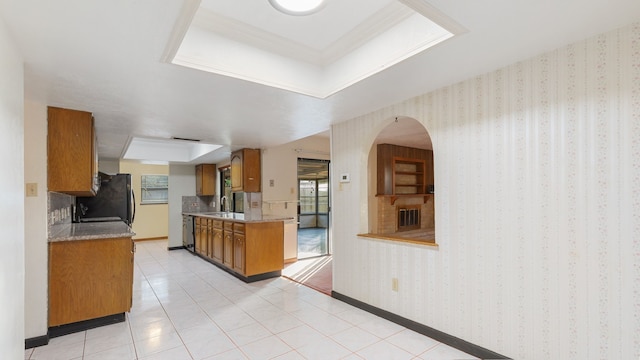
246,170
239,253
228,244
89,279
236,171
198,235
206,179
209,239
199,180
71,152
251,170
218,245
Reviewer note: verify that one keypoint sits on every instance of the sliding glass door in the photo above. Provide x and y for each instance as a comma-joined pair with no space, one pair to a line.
313,209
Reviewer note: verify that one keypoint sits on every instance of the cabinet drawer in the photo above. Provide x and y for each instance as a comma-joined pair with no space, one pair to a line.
228,226
198,220
217,224
238,228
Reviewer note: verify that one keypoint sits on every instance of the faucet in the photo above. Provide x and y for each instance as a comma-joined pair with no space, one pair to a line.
223,201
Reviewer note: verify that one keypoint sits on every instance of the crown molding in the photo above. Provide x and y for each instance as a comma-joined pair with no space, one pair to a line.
255,37
372,27
430,12
180,28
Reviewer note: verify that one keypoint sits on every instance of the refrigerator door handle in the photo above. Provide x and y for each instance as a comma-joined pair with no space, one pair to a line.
133,200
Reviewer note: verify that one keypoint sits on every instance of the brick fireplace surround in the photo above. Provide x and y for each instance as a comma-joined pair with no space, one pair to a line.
388,217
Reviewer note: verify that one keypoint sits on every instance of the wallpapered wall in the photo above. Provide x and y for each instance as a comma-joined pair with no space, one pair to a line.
537,181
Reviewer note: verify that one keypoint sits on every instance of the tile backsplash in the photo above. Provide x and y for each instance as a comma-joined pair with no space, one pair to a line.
198,204
59,209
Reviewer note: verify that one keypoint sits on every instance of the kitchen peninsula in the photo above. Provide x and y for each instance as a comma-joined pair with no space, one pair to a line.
249,247
90,275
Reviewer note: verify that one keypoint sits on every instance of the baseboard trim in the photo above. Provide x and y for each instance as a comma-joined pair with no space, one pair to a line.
36,341
152,238
291,260
67,329
437,335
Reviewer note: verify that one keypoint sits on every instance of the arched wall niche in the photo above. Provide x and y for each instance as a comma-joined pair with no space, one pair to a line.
404,207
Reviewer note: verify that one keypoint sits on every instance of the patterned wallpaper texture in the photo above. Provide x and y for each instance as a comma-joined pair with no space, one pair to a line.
537,177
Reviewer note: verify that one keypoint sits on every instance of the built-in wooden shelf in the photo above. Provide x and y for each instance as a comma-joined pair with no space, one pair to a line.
393,198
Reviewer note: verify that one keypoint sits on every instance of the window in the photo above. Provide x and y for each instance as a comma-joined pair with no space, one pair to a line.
307,196
225,189
154,189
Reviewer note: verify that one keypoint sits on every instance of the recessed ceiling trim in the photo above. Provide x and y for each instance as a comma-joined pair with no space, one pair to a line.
435,15
239,31
166,150
256,37
230,47
180,28
195,63
372,27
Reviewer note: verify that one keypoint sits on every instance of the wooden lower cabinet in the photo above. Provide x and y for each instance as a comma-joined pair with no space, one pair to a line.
245,248
198,235
209,251
218,243
239,248
89,279
263,247
227,258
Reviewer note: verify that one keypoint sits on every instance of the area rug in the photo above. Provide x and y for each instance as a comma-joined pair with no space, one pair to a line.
315,273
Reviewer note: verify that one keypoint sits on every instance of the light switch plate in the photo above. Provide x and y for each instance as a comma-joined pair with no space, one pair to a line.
32,189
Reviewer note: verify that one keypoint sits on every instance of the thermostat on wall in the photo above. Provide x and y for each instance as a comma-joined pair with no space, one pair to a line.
345,178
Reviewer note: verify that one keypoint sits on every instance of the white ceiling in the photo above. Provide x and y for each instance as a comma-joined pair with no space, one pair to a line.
109,57
316,55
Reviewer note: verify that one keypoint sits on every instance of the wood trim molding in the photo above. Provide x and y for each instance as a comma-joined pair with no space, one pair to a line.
152,238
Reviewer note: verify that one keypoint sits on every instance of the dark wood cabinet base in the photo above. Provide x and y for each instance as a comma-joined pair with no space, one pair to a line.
67,329
247,279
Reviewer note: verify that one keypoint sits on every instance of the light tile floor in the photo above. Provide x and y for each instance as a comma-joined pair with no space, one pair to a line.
186,308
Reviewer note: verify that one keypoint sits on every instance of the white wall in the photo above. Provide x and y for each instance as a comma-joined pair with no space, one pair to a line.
537,182
182,182
151,220
281,165
12,262
110,167
35,230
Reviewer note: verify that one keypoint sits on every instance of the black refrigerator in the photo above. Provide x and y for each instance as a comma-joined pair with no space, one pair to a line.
114,201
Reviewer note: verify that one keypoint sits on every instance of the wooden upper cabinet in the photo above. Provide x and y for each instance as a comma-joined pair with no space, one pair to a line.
72,152
246,170
206,179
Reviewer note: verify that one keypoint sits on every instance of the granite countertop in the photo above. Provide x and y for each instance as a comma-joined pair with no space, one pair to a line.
239,217
89,231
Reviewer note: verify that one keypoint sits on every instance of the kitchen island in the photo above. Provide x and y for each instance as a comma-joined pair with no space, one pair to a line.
90,275
249,247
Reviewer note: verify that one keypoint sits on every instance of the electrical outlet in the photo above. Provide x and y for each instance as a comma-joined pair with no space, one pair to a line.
394,284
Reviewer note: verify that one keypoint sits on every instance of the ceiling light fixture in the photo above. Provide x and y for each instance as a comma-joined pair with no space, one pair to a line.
297,7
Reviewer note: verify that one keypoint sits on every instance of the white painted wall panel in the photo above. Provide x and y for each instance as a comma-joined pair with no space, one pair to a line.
537,176
36,302
12,273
